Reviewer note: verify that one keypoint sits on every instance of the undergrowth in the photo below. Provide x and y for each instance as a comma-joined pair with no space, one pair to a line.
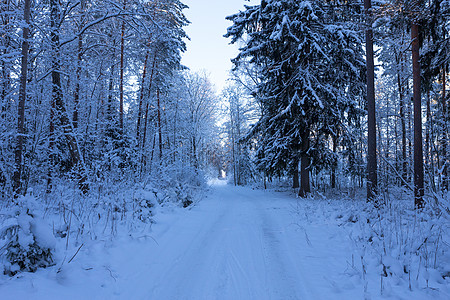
72,220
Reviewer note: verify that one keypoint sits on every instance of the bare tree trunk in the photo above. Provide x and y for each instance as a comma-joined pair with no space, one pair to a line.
418,151
333,168
51,146
144,138
371,119
175,129
410,138
233,152
305,162
194,152
427,140
295,177
401,90
141,100
144,135
159,123
445,166
21,110
109,107
76,96
122,47
5,66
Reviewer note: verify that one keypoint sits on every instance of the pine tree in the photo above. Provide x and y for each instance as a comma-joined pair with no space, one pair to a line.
293,47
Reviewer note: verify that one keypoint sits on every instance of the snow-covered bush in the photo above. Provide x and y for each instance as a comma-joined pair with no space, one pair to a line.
403,245
145,203
26,242
178,185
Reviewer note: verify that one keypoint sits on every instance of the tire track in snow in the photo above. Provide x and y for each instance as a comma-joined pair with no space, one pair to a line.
228,247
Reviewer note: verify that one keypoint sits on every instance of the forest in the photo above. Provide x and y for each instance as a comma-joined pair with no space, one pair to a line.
103,127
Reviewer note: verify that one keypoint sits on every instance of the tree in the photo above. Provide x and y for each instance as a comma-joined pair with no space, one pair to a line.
199,112
371,121
17,186
292,47
418,150
60,120
239,112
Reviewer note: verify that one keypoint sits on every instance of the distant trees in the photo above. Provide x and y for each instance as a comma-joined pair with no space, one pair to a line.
240,112
199,110
68,85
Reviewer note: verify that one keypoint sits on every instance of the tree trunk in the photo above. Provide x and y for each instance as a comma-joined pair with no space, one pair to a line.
141,100
429,160
159,124
371,119
110,105
5,66
418,151
295,176
76,98
333,168
404,161
144,134
57,100
445,177
233,146
122,47
21,109
305,161
194,152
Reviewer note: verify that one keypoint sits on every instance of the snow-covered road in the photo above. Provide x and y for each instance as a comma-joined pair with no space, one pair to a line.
238,243
233,245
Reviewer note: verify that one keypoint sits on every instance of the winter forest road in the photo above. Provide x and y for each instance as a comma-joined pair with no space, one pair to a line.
238,243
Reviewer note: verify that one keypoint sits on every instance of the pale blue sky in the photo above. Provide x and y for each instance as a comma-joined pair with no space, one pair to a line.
208,50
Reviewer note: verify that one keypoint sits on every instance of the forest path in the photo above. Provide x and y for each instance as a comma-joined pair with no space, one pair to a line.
238,243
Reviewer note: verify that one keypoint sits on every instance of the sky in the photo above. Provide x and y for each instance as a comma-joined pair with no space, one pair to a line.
208,50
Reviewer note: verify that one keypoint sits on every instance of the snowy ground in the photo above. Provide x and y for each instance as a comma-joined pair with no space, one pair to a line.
238,243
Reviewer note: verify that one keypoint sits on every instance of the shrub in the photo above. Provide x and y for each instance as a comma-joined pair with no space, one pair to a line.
27,243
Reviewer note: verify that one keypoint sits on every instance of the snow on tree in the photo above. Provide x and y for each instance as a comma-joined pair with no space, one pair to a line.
296,52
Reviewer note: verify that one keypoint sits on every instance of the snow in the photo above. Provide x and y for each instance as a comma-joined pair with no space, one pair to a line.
237,243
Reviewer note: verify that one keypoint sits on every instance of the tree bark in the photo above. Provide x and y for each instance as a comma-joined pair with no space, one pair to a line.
427,140
404,161
5,66
144,135
122,48
418,151
158,99
58,102
109,106
371,119
305,162
333,167
295,176
76,97
17,186
445,179
141,100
